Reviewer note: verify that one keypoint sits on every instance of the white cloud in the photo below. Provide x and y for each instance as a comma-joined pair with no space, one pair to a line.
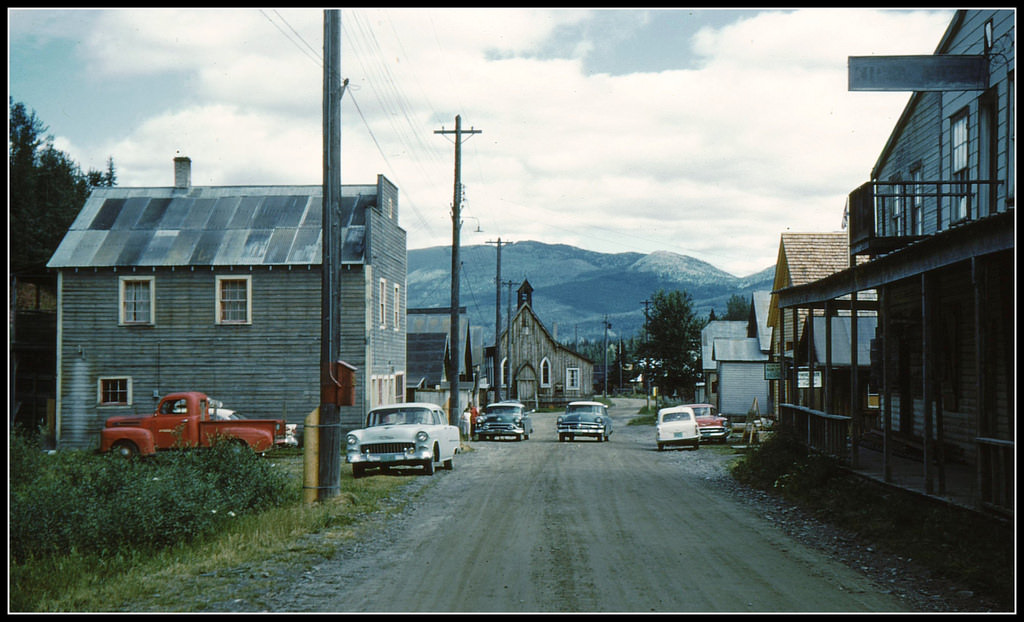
756,136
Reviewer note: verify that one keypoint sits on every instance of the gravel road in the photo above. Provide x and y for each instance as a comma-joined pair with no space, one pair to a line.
584,526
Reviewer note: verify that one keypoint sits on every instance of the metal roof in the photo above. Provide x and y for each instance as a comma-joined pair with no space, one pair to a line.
738,350
210,226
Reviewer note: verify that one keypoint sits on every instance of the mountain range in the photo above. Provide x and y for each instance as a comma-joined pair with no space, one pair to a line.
574,290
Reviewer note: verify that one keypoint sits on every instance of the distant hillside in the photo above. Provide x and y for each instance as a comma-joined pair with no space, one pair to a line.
574,289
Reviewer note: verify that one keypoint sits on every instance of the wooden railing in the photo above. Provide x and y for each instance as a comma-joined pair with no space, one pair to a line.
996,473
819,431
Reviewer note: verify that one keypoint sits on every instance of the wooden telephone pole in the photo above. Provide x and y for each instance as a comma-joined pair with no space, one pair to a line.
329,423
497,325
453,362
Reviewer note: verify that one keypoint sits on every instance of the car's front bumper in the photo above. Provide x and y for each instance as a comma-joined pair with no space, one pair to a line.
581,430
491,432
714,433
394,455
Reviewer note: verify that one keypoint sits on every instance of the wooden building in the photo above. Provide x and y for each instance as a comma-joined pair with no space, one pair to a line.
934,227
536,369
428,350
218,289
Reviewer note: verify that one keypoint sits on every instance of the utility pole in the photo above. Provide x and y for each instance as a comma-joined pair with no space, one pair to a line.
453,363
508,337
497,325
329,423
647,371
606,327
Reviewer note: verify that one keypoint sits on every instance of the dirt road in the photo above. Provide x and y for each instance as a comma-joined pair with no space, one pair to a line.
543,526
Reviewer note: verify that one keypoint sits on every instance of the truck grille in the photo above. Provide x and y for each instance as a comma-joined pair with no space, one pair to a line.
387,448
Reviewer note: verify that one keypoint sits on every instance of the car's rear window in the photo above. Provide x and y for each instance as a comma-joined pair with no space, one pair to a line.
680,416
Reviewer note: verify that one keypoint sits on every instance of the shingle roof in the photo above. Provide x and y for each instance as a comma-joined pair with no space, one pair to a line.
814,256
209,226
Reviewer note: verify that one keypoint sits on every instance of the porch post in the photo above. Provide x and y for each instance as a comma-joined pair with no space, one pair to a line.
855,408
981,424
885,388
927,370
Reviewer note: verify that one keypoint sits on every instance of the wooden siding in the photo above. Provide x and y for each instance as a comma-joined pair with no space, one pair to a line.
531,344
265,369
738,385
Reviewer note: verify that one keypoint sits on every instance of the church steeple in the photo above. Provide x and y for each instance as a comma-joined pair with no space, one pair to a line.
525,294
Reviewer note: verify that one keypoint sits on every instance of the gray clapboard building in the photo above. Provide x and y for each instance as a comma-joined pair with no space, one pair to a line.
217,289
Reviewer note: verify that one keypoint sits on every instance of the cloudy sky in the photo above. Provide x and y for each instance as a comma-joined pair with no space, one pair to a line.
702,132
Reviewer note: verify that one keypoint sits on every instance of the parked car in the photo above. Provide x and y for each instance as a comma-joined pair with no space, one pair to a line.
584,419
712,426
507,418
677,426
407,434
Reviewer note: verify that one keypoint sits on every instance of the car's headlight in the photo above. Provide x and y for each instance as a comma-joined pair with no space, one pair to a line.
598,420
352,439
422,436
559,420
518,421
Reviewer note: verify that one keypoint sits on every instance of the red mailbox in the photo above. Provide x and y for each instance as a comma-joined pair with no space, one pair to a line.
340,383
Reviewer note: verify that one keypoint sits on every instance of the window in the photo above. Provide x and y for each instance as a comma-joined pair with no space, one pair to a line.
504,371
545,373
958,165
899,203
136,300
115,391
234,300
1011,136
382,301
395,307
572,379
916,202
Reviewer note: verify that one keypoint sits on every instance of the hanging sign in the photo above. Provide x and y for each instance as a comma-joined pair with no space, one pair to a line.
918,73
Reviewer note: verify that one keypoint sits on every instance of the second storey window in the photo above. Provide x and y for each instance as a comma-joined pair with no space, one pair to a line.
234,300
136,300
958,165
395,307
382,300
917,203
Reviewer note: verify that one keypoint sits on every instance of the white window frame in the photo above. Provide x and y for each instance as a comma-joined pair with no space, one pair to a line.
382,300
545,372
101,390
959,159
572,379
218,300
123,284
917,201
396,306
502,372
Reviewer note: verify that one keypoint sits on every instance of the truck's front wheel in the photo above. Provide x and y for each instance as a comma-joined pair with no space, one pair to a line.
125,449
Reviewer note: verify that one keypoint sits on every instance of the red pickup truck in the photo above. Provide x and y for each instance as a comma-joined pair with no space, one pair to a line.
183,420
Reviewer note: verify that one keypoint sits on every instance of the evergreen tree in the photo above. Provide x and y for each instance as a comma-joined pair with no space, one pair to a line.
737,308
672,349
46,191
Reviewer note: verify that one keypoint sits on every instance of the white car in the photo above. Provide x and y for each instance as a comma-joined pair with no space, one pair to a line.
409,434
677,426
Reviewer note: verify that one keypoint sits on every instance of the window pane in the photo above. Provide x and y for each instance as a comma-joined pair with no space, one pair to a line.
233,301
136,301
114,391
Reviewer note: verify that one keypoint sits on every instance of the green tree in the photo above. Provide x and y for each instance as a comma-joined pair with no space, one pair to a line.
672,348
46,190
737,308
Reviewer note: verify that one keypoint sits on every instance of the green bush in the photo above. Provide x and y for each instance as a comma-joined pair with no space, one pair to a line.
102,504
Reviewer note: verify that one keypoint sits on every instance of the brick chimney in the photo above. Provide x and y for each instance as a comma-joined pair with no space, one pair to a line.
182,173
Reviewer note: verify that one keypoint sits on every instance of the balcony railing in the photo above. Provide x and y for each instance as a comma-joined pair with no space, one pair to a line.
887,215
820,431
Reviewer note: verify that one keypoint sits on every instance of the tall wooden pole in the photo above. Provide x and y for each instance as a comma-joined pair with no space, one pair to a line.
329,425
454,339
497,325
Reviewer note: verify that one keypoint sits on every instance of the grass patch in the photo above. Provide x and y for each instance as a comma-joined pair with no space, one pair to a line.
91,533
960,545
